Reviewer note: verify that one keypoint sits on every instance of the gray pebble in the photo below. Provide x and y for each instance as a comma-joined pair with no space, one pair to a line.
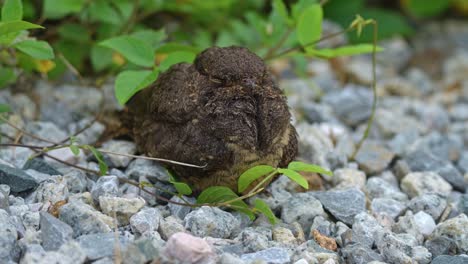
390,207
84,219
302,208
105,186
100,245
54,232
17,179
146,220
456,229
8,236
426,161
373,157
419,183
119,146
432,204
211,221
332,201
271,256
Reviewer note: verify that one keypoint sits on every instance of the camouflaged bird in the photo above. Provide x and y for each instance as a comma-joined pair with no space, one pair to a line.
224,110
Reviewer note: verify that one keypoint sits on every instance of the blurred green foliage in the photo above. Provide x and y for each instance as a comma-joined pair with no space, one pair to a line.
137,39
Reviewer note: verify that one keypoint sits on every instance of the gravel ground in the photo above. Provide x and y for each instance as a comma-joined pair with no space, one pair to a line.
403,199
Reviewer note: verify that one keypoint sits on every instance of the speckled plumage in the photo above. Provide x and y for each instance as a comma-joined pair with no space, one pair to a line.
224,110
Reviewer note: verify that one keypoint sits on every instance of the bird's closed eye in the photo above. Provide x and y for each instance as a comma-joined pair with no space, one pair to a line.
215,80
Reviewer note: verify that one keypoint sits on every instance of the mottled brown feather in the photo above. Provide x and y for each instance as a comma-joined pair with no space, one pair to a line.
224,111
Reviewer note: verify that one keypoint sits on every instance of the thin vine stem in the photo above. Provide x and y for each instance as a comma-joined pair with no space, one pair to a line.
374,91
302,47
26,132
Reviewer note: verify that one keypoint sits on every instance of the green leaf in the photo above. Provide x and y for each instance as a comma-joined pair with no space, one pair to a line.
12,10
104,11
130,82
280,8
133,49
296,177
263,207
301,5
153,37
309,25
177,57
74,32
54,9
101,57
343,51
15,26
173,47
103,168
36,49
75,150
74,52
4,108
301,166
251,175
7,76
182,187
219,194
426,8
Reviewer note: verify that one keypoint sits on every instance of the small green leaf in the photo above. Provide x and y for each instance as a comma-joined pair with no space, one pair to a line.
145,184
128,83
296,177
103,168
251,175
101,57
36,49
153,37
173,47
54,9
7,76
301,5
182,187
176,57
301,166
75,150
309,25
12,10
219,194
74,32
15,26
279,8
4,108
104,11
135,50
263,207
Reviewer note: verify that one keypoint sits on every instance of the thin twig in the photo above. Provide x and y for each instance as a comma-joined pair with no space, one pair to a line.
26,132
70,67
68,138
280,43
302,47
156,159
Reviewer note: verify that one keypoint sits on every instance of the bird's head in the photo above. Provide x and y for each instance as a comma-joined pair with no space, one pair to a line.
231,66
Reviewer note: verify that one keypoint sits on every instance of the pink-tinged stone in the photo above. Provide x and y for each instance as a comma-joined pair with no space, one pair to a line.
189,249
